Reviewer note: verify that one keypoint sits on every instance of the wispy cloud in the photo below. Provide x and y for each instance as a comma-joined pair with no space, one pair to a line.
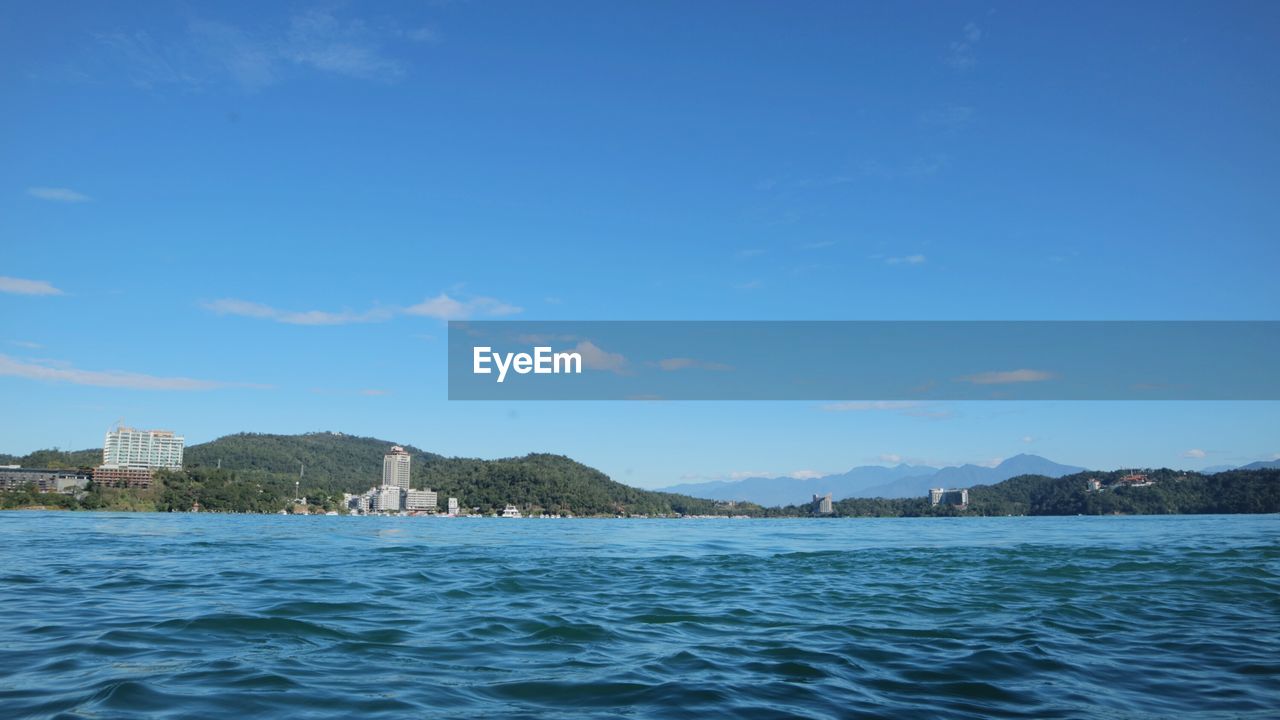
748,253
21,286
55,194
245,308
818,245
875,169
916,259
64,373
26,344
320,40
443,307
212,51
596,358
673,364
1007,377
871,405
1194,454
949,117
374,392
961,52
736,475
911,408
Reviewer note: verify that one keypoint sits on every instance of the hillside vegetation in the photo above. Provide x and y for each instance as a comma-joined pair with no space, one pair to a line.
1171,492
258,473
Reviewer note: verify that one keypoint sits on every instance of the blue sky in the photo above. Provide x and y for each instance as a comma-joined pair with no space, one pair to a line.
220,217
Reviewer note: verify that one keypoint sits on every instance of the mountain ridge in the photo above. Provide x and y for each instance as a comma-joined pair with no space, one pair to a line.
870,481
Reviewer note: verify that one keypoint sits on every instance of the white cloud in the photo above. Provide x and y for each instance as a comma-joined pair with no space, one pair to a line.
949,117
916,259
317,38
1194,454
26,344
107,378
890,458
990,462
867,405
245,308
911,408
374,392
20,286
443,307
212,51
1028,439
1007,377
960,53
673,364
805,474
595,358
66,195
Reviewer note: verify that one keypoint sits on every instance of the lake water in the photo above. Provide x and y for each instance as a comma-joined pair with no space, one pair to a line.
177,616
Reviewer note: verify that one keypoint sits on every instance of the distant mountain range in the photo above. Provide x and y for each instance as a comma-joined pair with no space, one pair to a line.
871,481
1260,465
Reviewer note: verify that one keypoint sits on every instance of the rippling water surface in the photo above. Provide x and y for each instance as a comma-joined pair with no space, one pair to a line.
139,615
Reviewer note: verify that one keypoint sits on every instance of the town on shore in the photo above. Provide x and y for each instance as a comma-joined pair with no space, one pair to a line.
150,470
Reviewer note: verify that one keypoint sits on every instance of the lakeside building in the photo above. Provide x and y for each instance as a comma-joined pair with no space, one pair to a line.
395,468
942,496
1136,479
822,504
394,494
130,457
453,506
45,480
127,447
386,499
123,477
420,499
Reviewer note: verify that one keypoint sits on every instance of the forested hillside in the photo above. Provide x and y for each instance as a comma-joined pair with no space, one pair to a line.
1169,492
257,469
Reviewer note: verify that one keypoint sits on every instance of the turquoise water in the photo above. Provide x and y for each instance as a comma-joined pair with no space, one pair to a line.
176,616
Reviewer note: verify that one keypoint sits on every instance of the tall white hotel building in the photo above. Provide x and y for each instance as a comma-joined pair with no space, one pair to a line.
126,447
395,468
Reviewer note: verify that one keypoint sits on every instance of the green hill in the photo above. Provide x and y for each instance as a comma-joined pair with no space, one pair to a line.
258,472
55,458
1171,492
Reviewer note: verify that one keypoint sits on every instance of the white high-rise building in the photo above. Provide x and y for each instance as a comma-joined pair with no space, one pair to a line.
420,499
127,447
395,468
387,499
